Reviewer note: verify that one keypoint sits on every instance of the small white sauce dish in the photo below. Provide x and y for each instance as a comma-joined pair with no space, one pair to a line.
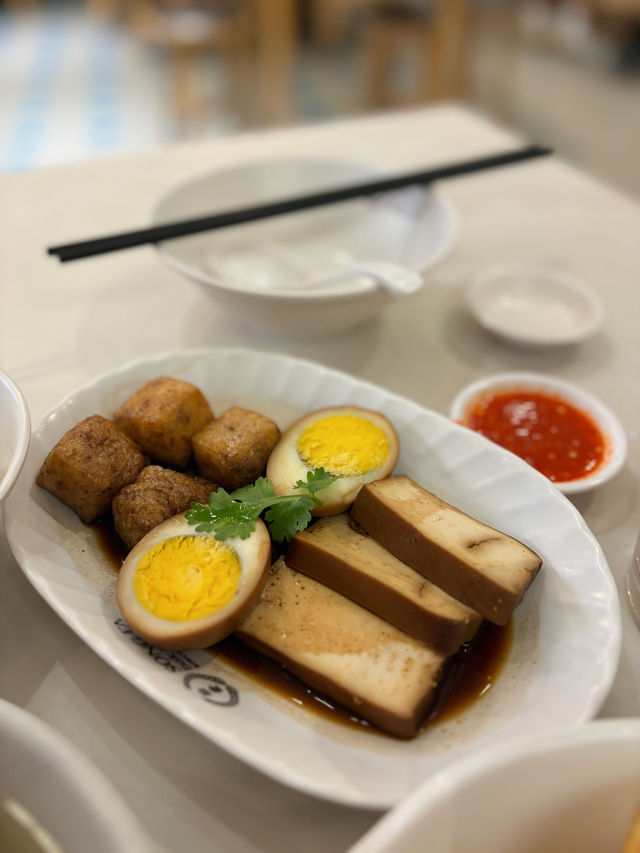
534,307
15,433
603,417
573,789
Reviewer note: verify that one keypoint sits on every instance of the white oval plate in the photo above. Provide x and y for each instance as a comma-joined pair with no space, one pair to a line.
566,633
574,789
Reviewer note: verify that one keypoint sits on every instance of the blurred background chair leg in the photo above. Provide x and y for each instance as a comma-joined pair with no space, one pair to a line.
187,103
434,36
330,21
191,32
397,52
379,41
451,63
20,5
111,10
494,30
276,23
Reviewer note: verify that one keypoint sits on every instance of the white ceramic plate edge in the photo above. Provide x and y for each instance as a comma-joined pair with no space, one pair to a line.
328,786
385,836
101,814
19,455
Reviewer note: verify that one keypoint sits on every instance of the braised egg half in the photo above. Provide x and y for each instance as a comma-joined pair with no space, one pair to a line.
181,589
357,445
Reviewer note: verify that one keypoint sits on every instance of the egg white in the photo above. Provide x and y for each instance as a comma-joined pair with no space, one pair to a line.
285,467
254,554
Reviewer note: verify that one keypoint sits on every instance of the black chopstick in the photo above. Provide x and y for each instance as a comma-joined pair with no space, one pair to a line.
158,233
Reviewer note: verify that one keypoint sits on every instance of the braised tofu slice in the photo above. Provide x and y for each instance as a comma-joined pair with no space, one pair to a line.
480,566
354,564
344,651
157,494
89,465
163,416
233,449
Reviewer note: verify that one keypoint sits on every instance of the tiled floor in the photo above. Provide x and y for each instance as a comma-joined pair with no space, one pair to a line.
74,86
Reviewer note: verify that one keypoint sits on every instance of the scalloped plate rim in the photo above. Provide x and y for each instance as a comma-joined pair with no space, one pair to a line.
349,794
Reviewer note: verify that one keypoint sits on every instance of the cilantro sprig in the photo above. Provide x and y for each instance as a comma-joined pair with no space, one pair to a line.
228,515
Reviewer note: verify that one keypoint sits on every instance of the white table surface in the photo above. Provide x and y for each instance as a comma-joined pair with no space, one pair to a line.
62,324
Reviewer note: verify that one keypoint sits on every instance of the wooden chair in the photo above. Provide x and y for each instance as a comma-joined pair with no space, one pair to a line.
189,28
21,5
432,34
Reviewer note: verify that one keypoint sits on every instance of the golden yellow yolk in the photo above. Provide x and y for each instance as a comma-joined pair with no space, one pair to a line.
347,445
187,577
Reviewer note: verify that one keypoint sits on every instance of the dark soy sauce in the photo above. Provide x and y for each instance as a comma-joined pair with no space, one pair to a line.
113,548
469,675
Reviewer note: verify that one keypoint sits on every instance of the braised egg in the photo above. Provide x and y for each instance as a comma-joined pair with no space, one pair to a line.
357,445
181,589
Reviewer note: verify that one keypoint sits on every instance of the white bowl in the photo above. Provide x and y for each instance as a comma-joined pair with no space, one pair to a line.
47,785
575,789
252,269
534,307
15,433
604,418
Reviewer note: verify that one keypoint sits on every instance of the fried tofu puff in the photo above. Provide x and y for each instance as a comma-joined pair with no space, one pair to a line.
157,494
233,449
89,465
162,417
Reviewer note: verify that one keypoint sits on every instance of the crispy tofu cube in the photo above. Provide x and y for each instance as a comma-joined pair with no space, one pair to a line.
162,417
233,449
156,495
89,466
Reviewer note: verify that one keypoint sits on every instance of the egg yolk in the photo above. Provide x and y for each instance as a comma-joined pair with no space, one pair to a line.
343,444
187,577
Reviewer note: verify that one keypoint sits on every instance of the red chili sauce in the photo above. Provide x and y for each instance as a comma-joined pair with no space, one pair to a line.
546,431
